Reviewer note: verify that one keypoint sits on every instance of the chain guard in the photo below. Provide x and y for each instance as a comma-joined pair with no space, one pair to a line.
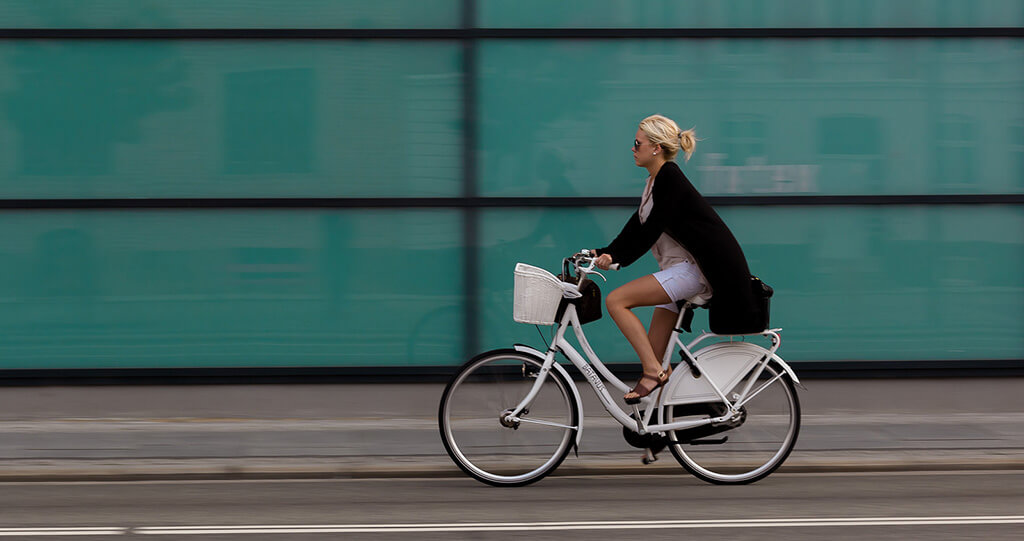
704,409
707,409
645,441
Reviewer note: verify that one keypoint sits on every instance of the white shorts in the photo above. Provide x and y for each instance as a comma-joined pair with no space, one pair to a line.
681,281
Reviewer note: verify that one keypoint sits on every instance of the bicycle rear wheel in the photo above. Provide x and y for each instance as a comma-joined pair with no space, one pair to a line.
496,451
750,447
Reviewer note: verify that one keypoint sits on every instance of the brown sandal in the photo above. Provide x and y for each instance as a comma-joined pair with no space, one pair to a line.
642,390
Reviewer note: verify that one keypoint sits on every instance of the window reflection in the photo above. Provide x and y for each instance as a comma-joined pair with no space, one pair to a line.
955,165
821,120
749,13
230,119
850,282
255,288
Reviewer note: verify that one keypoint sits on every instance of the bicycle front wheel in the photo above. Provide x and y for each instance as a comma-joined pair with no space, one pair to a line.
749,447
493,449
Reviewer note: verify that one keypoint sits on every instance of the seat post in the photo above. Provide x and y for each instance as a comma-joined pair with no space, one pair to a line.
685,307
685,316
682,313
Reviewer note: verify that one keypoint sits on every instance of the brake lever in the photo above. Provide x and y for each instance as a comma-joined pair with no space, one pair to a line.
590,270
593,256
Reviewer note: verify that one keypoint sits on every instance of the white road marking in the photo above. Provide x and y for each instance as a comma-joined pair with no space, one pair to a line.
908,473
23,532
513,526
597,525
463,478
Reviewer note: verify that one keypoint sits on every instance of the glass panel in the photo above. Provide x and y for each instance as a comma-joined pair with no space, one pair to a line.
749,13
229,119
229,14
772,116
542,237
209,289
851,283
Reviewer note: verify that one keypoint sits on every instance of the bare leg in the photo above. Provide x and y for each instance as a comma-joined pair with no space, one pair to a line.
659,332
645,291
662,323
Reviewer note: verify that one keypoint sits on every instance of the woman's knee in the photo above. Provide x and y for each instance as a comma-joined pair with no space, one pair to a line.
618,300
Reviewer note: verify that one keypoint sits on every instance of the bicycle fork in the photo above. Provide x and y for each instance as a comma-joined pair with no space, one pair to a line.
516,414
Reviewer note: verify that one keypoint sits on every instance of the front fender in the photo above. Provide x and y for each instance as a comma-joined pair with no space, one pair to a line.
572,386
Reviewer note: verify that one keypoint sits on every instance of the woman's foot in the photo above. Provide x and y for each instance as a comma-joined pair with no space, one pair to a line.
645,386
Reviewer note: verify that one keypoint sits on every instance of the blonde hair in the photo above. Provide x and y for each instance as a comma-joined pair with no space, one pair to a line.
662,131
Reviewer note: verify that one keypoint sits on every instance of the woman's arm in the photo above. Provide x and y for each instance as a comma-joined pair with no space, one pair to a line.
634,240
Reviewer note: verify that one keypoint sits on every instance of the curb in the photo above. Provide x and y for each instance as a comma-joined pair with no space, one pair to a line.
442,467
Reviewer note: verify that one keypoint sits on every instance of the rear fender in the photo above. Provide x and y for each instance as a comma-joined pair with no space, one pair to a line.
786,367
725,363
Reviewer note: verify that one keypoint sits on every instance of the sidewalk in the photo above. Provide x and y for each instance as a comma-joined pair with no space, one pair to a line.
175,432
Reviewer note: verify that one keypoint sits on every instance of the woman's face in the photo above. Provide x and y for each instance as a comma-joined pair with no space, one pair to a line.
643,150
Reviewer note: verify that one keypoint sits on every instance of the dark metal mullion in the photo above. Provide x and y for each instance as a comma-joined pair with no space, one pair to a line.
471,202
470,213
469,32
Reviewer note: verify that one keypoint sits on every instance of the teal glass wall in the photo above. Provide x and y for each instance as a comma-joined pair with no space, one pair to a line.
851,283
229,288
749,13
819,116
229,14
108,119
203,121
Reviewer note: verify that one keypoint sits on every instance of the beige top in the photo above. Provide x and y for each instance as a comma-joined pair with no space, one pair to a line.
666,250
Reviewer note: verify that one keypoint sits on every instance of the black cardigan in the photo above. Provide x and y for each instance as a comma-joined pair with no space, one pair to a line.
687,217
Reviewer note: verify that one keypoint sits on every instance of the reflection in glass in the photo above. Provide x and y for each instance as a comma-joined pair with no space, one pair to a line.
97,119
851,283
230,14
777,117
202,289
747,14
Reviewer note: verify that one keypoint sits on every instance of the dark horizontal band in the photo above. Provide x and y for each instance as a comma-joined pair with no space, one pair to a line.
806,370
495,202
506,33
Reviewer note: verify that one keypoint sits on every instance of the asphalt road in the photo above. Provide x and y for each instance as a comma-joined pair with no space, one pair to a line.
863,505
169,432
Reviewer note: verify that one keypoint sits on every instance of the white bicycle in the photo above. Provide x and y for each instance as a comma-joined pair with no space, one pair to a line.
729,413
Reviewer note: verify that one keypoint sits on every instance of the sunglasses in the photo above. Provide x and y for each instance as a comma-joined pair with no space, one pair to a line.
636,144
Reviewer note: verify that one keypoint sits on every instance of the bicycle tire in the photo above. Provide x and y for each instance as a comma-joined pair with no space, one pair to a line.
469,419
763,436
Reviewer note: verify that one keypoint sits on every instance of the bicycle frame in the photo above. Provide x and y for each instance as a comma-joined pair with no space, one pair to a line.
638,423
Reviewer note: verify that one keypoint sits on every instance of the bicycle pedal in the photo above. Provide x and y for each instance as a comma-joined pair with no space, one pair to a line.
649,457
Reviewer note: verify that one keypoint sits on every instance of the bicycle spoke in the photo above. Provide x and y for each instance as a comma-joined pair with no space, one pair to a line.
755,441
545,423
496,449
759,389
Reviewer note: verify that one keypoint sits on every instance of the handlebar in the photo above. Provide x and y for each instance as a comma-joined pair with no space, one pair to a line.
591,255
583,263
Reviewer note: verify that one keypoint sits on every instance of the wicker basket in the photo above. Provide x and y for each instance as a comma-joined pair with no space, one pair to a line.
536,295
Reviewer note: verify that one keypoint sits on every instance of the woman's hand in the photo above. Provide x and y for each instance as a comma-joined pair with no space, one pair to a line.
603,261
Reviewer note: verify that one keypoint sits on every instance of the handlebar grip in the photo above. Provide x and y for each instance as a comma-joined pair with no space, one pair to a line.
614,266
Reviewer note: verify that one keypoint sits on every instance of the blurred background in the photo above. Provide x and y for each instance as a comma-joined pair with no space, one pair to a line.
263,195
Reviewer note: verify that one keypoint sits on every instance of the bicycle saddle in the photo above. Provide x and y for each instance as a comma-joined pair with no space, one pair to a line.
686,307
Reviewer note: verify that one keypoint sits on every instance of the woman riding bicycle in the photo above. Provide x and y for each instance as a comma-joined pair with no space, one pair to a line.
697,254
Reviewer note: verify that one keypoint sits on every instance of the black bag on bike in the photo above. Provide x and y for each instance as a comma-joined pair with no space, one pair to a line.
744,317
762,297
588,307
